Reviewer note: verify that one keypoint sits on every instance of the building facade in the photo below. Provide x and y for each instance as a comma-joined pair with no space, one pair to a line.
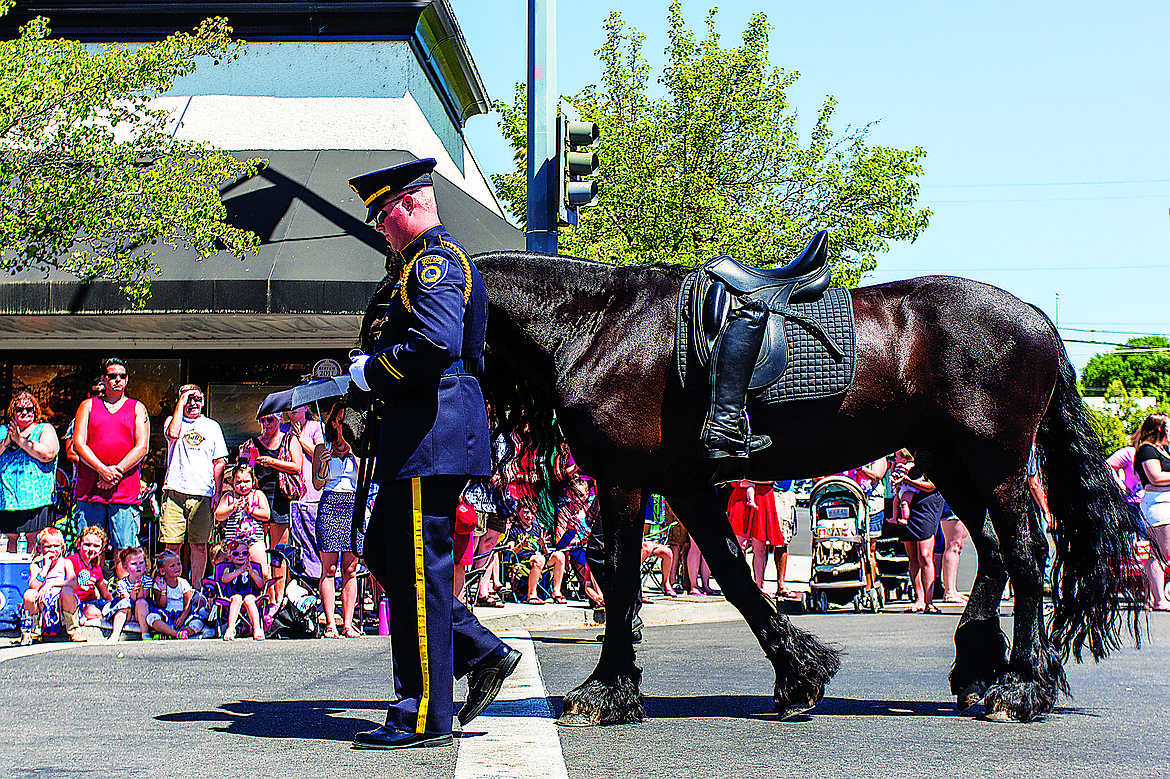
326,90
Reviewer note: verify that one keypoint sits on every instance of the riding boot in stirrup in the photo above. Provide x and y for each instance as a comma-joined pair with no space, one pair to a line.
725,430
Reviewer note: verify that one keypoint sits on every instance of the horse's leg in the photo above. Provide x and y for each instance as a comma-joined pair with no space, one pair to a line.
980,645
803,664
1035,673
611,694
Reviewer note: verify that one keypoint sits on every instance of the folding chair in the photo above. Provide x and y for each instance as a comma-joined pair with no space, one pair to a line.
656,529
219,600
479,566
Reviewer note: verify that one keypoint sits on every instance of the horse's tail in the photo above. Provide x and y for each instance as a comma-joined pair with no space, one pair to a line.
1094,531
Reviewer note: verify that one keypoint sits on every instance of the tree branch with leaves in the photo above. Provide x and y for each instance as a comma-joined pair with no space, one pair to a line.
717,166
91,175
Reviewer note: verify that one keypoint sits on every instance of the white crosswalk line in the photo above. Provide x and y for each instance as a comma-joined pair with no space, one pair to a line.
516,737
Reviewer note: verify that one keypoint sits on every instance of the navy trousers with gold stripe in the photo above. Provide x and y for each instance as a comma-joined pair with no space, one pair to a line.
434,638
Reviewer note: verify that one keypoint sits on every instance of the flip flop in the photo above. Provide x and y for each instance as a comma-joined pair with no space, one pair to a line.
534,601
330,632
912,610
932,609
559,599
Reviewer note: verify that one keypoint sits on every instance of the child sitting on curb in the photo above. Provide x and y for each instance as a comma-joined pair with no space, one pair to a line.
173,612
132,593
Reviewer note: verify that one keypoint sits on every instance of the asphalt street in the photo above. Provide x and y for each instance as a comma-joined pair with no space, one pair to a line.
289,709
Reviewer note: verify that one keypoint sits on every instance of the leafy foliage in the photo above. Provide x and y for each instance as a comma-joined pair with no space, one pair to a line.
90,174
1141,372
717,166
1120,417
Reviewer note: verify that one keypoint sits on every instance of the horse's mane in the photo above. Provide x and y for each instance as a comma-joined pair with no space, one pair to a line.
518,398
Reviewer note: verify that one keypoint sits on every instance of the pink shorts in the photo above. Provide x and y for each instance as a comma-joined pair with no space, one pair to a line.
464,549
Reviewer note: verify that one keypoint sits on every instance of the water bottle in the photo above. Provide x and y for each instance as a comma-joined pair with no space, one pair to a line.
384,617
21,543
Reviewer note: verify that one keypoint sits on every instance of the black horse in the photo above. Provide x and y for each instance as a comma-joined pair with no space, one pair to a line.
957,370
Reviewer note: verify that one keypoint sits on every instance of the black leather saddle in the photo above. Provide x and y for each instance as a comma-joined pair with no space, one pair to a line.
723,284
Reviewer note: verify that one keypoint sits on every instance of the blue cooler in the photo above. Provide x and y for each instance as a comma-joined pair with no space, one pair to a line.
13,583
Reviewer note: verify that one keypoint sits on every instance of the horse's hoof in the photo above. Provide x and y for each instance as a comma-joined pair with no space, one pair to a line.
786,709
998,711
794,710
596,703
576,720
970,695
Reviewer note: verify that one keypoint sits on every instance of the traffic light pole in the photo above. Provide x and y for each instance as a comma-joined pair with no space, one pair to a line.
540,234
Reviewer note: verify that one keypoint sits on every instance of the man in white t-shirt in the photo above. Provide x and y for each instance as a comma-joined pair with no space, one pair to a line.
196,454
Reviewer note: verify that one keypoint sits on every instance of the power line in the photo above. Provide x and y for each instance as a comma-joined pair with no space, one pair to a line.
1047,184
1050,268
1121,348
1115,332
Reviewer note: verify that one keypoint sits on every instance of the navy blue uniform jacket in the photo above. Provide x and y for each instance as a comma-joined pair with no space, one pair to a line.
429,337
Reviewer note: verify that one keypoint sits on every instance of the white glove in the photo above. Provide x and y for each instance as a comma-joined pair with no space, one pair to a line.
357,371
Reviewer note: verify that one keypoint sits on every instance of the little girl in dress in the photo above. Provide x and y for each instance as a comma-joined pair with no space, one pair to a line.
242,582
242,509
132,593
903,493
47,574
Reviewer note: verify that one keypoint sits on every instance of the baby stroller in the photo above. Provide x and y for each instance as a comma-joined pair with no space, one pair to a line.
843,568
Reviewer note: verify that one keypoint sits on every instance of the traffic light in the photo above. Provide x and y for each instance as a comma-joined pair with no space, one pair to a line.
576,162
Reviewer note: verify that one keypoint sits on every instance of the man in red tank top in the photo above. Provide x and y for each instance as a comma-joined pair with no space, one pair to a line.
110,436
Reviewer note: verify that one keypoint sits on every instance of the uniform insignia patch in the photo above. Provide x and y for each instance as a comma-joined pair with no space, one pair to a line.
432,270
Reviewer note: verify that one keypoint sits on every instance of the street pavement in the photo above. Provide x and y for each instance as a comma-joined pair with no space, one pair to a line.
290,708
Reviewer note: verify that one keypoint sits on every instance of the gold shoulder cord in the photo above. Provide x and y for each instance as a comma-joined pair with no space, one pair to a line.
409,266
466,268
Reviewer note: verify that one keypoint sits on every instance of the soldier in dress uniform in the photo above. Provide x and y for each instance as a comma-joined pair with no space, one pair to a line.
428,337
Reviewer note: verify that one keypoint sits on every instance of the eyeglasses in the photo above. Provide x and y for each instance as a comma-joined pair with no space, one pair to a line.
268,420
115,376
195,399
23,409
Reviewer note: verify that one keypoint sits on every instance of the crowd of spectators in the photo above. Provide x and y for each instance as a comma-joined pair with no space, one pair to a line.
520,536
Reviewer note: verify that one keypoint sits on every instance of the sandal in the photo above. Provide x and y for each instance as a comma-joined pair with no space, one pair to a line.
330,632
957,598
932,609
349,632
559,599
913,610
229,635
534,601
490,601
789,594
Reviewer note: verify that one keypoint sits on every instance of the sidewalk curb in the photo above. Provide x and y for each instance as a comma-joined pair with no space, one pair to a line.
663,611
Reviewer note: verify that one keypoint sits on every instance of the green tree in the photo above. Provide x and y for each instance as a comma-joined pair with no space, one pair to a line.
1142,365
717,166
92,175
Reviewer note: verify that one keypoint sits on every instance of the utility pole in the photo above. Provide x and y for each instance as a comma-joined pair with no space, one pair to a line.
540,234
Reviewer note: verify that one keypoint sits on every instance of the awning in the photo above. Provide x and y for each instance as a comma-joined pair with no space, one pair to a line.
318,256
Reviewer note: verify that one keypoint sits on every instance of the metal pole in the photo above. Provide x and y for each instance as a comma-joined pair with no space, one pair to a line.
540,234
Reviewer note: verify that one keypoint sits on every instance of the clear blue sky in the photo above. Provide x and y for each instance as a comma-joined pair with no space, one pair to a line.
1045,126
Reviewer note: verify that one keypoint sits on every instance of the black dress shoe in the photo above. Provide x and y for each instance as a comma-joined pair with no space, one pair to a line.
390,737
485,680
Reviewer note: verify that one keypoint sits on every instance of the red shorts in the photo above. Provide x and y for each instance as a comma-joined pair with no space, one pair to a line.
464,549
